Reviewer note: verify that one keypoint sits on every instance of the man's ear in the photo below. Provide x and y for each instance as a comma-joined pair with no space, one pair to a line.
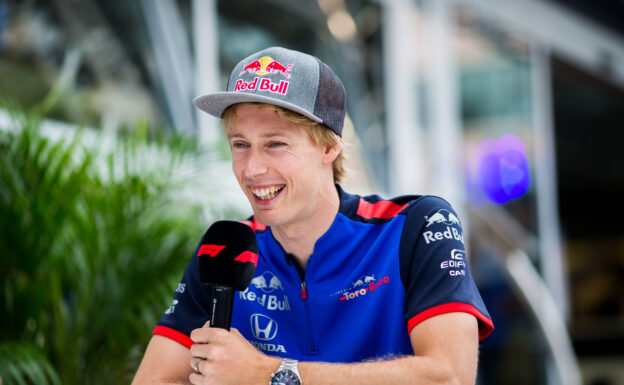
331,153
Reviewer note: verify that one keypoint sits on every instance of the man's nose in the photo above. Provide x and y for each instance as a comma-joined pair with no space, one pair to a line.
256,164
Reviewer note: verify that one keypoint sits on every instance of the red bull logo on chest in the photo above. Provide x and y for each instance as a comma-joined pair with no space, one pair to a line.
264,66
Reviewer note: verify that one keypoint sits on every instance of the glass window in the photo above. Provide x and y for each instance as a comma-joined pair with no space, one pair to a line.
494,82
588,116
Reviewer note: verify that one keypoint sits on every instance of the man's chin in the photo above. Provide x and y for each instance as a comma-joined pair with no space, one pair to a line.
265,217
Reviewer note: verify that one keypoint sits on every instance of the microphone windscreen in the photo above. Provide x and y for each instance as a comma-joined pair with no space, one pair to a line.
228,255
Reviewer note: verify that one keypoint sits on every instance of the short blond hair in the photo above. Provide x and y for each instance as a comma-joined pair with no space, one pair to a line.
318,132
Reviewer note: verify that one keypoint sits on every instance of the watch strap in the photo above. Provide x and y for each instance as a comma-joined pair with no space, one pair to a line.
288,364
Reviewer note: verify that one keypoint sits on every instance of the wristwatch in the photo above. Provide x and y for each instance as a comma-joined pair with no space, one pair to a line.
286,374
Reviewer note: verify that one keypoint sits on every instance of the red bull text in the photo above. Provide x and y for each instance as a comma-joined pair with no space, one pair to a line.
450,233
265,85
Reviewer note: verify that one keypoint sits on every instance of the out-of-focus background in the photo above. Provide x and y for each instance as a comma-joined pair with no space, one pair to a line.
512,110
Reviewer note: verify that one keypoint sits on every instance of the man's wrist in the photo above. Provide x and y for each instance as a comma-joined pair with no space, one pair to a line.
287,373
273,365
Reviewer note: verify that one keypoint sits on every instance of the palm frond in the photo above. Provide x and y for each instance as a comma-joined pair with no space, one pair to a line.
93,243
22,363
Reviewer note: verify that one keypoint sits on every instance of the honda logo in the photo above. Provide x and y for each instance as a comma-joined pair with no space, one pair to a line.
263,328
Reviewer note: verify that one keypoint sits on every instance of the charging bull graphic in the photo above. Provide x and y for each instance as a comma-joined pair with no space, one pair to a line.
364,280
266,65
260,282
442,216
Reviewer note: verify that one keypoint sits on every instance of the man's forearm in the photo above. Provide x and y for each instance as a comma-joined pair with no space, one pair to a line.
448,357
445,352
403,370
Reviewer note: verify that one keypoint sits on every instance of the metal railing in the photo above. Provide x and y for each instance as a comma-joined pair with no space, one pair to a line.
499,233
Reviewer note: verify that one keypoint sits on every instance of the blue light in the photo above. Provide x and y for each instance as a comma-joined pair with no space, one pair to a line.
503,169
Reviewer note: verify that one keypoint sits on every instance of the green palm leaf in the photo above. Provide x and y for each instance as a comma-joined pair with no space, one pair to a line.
22,363
92,244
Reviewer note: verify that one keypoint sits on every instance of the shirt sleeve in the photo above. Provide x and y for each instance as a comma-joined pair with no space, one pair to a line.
189,309
434,267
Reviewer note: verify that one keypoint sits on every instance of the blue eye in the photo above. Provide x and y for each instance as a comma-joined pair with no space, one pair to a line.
276,144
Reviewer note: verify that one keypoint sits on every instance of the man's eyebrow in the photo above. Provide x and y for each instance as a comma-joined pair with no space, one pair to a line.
267,135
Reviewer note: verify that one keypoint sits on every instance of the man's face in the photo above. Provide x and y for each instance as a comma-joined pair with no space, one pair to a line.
279,168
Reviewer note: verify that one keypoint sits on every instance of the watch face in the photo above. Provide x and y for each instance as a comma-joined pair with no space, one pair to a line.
286,377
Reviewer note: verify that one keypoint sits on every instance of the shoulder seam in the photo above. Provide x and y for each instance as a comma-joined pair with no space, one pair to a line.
383,209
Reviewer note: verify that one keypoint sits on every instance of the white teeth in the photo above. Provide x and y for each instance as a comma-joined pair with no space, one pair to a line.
267,192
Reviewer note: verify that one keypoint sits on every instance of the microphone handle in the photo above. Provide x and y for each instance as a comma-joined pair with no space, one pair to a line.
222,304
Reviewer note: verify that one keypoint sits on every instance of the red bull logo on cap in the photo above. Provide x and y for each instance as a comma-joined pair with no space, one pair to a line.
264,66
267,65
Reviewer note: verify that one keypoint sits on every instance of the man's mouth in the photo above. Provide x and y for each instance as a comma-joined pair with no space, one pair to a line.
266,193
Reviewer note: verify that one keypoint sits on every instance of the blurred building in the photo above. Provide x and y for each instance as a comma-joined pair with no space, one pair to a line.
512,110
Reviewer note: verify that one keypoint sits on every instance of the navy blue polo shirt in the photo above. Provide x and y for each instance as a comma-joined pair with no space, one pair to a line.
383,267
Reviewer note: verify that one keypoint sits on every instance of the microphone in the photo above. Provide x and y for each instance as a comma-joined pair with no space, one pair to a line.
227,260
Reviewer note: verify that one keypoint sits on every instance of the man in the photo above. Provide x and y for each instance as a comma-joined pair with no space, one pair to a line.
348,289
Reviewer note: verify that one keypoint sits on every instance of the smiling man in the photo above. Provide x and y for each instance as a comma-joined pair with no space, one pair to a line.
348,289
284,174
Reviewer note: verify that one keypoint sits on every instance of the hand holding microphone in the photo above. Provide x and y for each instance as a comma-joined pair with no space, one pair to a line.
227,259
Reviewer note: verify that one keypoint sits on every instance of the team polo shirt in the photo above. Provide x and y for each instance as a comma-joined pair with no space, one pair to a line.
383,267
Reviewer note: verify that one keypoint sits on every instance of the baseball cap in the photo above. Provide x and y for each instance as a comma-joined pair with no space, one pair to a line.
290,79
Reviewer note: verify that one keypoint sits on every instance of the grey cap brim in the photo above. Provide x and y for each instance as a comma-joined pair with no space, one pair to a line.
216,103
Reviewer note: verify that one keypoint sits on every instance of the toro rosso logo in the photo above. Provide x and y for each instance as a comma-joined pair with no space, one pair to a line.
364,285
267,65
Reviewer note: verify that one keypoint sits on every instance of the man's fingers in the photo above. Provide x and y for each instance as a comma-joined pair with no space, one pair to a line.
195,378
199,351
201,335
206,335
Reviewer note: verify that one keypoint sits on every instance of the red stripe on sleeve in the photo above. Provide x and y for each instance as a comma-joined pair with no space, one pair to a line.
381,209
486,326
174,335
